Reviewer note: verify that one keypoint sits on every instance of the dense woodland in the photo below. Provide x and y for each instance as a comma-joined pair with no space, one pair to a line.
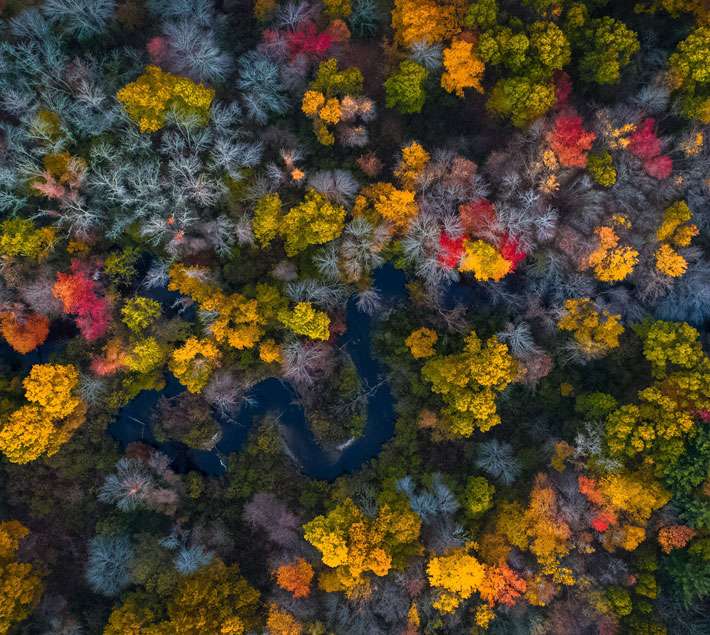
199,193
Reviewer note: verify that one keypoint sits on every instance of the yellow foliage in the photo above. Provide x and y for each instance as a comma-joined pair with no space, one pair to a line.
456,577
462,68
467,383
352,544
49,421
238,321
270,352
595,331
305,320
193,281
669,262
484,260
267,216
280,622
421,342
675,227
312,102
636,494
313,222
148,99
50,386
414,160
423,21
398,207
20,586
330,112
193,363
611,263
146,356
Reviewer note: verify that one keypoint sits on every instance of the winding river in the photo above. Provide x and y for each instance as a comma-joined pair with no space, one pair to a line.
276,396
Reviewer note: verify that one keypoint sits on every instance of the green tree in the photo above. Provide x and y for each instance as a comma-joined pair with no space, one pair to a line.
522,99
405,89
607,45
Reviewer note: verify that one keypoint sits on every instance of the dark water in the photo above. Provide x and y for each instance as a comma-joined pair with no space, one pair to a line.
276,396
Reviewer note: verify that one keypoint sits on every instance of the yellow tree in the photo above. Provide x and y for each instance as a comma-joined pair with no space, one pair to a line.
456,577
484,261
49,420
305,320
420,342
193,363
467,382
20,586
156,92
595,331
462,68
214,599
313,222
352,544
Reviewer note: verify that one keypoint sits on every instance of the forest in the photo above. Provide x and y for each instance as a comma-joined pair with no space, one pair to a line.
354,317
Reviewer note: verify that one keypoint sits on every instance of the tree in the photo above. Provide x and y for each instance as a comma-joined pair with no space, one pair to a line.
305,320
193,363
595,331
78,293
484,261
24,332
420,342
462,68
139,313
20,585
398,207
49,420
295,578
675,537
404,90
313,222
467,383
456,577
414,159
611,263
502,585
690,75
428,21
478,496
522,99
352,544
607,46
601,166
20,237
156,92
216,598
267,217
279,622
570,141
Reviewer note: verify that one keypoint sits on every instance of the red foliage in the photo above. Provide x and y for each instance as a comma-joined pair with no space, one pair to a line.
308,41
450,250
645,145
477,216
563,88
158,49
78,293
659,167
570,141
603,520
510,250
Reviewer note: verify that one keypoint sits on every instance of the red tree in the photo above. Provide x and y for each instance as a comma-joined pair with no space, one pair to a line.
78,293
570,141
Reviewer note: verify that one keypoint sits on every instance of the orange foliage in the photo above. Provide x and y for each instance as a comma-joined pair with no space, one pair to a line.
24,333
295,578
502,585
675,537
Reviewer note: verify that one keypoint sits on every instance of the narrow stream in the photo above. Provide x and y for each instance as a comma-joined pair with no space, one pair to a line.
276,396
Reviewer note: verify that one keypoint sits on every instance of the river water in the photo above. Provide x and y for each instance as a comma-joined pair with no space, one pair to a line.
278,397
